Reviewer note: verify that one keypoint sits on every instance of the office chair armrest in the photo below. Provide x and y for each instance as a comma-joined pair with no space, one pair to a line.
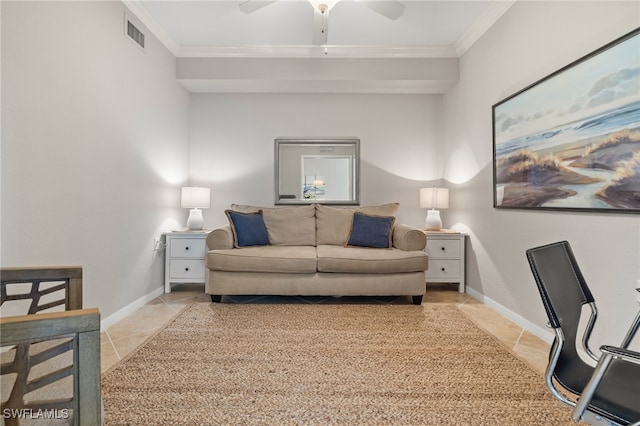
621,353
608,354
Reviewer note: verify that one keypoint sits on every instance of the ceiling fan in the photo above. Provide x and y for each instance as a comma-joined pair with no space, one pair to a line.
392,9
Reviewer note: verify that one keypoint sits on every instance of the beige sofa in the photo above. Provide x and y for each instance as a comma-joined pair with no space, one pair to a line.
307,255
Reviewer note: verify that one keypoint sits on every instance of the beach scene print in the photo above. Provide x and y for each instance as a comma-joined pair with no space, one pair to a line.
572,141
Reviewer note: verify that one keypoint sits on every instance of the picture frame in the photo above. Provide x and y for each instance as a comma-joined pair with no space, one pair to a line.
571,140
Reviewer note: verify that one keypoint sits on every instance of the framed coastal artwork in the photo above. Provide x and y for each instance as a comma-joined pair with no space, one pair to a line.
571,141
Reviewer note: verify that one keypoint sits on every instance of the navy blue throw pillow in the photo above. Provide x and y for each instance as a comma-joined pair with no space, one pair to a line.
371,231
248,228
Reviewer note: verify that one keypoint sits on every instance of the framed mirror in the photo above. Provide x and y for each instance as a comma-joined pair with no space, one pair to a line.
309,171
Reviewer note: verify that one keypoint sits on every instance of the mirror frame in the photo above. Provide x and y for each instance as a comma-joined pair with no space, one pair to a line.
355,142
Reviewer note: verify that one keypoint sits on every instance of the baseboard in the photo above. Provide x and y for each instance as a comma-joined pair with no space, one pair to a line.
130,308
536,330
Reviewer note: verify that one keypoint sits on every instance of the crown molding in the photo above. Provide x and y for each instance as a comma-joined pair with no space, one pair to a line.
317,86
310,51
486,21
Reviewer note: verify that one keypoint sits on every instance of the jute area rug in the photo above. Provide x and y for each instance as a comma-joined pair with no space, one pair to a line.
342,364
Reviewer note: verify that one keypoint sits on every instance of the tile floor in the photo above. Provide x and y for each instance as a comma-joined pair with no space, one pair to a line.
123,337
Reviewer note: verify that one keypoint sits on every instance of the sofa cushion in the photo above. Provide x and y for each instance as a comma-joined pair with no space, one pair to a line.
334,223
371,231
248,228
288,226
333,258
286,259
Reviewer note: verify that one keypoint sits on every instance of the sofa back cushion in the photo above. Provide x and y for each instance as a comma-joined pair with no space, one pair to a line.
287,226
333,224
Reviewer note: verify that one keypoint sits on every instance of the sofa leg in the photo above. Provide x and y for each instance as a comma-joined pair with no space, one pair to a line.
417,300
216,298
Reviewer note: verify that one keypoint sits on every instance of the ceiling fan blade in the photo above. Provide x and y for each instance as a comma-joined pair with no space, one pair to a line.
320,27
251,6
390,8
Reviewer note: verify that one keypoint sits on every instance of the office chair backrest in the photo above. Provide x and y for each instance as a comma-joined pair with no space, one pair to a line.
563,291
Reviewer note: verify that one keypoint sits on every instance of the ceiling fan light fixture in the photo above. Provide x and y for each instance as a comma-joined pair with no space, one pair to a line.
323,6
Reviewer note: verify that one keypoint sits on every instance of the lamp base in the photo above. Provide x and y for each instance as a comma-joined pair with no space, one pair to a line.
433,222
195,221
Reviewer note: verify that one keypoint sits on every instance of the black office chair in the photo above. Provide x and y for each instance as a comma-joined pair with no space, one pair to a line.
608,394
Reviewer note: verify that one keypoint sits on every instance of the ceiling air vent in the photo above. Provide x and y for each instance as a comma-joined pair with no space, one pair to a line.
133,33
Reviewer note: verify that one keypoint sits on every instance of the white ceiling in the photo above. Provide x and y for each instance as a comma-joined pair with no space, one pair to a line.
217,28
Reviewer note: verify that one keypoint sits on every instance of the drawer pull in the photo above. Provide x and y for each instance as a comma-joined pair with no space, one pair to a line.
187,248
443,269
443,249
187,269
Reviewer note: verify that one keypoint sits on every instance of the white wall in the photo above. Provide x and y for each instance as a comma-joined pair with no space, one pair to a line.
94,147
532,40
232,144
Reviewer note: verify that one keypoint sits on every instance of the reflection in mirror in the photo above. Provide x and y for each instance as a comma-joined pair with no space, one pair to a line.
316,171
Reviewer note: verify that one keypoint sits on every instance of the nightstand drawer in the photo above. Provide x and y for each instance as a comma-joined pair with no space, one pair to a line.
441,248
188,247
444,269
187,269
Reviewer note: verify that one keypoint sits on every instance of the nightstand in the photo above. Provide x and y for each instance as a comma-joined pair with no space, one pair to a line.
446,252
184,257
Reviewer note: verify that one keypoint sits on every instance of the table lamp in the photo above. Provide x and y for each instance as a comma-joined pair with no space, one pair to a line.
195,198
434,198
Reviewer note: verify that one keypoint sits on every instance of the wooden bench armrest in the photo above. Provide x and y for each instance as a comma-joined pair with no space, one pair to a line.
70,275
76,332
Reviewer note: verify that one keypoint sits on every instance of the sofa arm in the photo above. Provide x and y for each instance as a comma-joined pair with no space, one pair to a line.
408,238
220,238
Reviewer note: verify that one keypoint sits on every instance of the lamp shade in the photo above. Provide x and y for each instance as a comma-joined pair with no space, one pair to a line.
195,198
434,198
